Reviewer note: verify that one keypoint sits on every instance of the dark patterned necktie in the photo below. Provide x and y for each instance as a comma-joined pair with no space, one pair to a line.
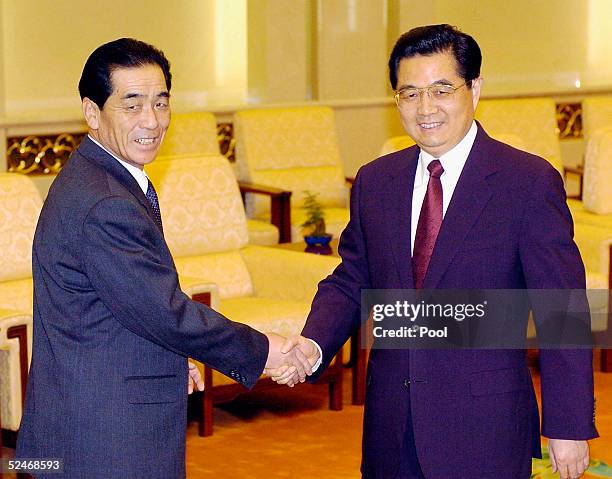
152,197
430,220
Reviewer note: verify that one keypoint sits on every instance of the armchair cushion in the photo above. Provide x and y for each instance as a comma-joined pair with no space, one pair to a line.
227,270
582,216
262,233
286,275
17,294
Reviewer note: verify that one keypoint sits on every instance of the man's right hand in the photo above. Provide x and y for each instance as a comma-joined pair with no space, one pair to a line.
303,347
287,361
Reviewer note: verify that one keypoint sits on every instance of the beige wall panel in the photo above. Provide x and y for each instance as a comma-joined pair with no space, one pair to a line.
45,44
351,49
362,130
278,50
528,46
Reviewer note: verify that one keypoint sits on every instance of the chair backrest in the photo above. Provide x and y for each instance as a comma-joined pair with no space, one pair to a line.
203,217
20,206
191,134
291,148
396,143
596,114
533,120
597,192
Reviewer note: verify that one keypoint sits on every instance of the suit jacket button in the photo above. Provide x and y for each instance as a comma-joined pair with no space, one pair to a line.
407,383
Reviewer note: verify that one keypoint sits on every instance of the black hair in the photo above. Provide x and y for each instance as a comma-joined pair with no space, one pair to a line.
432,39
95,82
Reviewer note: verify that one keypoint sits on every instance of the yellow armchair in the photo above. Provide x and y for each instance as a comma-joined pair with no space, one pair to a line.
533,120
20,205
195,133
596,114
293,149
268,289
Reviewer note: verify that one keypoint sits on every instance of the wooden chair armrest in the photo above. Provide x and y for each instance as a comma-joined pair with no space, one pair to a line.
577,170
280,206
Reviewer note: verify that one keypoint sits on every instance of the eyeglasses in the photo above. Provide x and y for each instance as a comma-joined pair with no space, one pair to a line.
436,93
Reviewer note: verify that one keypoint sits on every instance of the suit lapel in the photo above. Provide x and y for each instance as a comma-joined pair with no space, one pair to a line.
93,152
471,195
396,203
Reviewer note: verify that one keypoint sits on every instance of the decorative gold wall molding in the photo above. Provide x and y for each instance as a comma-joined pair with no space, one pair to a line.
227,142
41,154
569,120
47,154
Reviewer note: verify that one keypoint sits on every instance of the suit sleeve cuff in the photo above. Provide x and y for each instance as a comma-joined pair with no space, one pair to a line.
320,360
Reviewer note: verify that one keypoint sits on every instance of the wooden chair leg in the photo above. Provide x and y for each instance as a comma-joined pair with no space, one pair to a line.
205,426
335,384
359,369
606,360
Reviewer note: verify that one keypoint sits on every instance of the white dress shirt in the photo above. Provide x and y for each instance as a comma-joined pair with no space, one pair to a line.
138,174
453,162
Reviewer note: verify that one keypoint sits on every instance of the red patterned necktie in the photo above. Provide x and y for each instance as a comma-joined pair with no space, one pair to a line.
430,220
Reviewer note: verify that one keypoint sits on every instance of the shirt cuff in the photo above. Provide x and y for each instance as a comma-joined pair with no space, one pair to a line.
320,360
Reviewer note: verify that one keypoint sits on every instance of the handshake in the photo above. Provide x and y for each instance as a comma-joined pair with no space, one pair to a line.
291,359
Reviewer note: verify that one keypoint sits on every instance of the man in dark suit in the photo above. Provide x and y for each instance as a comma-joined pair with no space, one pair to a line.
457,211
112,329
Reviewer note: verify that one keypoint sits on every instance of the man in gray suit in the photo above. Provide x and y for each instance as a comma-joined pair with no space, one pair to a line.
112,329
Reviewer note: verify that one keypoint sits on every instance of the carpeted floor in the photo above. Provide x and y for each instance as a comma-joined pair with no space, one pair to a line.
292,434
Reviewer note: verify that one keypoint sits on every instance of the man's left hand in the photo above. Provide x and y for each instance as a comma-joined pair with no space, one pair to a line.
569,458
195,379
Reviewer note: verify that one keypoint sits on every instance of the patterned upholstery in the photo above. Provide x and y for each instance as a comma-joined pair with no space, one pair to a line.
20,205
205,228
10,368
17,294
596,114
195,134
530,119
597,195
191,134
294,149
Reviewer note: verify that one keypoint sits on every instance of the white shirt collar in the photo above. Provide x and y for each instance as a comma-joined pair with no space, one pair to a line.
138,174
452,161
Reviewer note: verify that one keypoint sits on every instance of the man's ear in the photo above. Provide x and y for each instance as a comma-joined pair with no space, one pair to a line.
476,85
91,112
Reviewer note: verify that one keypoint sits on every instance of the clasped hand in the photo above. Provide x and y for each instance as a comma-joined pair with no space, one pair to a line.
291,359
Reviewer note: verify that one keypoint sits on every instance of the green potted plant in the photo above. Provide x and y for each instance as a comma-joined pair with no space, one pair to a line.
313,228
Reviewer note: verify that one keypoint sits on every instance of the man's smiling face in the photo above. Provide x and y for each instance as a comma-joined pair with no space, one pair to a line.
436,125
135,117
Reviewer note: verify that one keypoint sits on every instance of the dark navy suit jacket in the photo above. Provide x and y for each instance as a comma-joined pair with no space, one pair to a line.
107,390
473,412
